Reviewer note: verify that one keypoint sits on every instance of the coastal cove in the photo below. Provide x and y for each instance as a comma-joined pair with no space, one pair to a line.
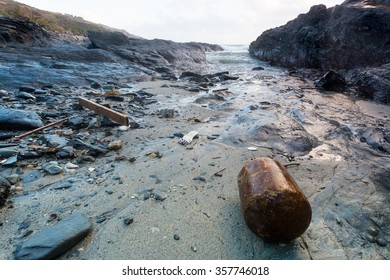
164,186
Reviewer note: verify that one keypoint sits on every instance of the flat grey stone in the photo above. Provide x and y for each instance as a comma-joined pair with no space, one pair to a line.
55,240
18,119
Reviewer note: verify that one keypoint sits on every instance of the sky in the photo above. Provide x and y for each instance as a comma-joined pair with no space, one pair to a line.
210,21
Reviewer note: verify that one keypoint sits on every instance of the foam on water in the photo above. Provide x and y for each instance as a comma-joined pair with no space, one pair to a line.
234,58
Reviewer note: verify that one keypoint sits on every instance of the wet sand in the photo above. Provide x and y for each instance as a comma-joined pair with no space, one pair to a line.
313,133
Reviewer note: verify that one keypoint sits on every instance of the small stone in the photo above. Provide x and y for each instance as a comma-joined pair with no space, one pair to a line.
176,237
178,134
373,231
381,242
199,178
194,248
13,179
154,154
96,85
370,238
10,161
115,145
116,177
132,159
166,113
52,217
52,168
123,128
252,149
259,68
25,95
52,140
109,192
158,195
70,165
128,221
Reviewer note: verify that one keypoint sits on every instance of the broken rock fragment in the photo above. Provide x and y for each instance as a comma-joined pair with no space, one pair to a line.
55,240
273,205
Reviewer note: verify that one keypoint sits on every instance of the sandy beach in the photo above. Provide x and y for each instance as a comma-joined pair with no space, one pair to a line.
157,199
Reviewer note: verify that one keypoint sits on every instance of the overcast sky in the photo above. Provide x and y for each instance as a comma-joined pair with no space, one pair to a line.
212,21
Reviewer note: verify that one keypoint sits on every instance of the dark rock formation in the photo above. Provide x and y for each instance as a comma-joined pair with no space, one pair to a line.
274,207
11,119
372,83
152,54
33,56
343,37
350,36
332,81
55,240
22,32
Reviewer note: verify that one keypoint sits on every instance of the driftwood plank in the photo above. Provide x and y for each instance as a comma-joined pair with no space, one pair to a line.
104,111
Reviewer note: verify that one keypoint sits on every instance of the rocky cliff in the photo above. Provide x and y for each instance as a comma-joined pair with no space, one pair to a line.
353,36
355,33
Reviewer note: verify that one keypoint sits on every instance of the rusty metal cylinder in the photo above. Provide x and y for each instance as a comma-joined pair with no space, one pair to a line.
273,205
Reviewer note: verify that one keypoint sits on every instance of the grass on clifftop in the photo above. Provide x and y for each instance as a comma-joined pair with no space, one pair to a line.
50,21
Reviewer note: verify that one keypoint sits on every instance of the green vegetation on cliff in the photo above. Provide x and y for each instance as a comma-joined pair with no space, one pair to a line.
56,22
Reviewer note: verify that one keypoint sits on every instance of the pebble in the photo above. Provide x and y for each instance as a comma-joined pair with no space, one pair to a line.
25,95
370,238
381,242
10,161
13,179
70,165
123,128
199,178
158,195
154,154
115,145
128,221
176,237
52,168
166,113
178,134
52,217
116,177
373,231
194,248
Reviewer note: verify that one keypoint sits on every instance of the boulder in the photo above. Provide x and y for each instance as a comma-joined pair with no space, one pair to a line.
11,119
55,240
273,205
372,83
332,81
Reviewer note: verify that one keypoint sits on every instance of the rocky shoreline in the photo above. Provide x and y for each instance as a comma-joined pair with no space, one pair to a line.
164,186
352,38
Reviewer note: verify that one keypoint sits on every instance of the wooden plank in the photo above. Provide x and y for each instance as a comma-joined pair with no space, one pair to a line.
104,111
